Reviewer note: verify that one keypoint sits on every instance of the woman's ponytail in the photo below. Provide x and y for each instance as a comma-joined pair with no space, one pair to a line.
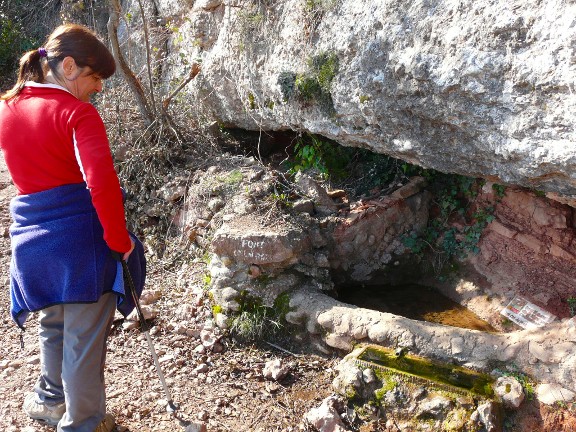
30,70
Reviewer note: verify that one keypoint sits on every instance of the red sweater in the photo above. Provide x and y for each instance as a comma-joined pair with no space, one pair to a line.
50,138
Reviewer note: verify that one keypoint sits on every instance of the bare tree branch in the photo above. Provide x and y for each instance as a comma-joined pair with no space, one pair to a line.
133,82
148,56
193,72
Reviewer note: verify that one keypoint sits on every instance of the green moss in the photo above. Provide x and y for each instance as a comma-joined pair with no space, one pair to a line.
442,373
251,101
312,86
233,178
308,87
282,305
388,384
324,67
216,309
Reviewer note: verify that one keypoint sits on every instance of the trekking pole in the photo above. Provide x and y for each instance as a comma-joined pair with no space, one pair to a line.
144,329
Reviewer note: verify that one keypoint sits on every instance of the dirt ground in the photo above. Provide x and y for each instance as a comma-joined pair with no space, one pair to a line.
225,390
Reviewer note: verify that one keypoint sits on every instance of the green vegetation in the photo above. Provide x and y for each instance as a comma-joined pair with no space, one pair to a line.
499,190
282,305
376,171
251,101
287,82
231,179
256,321
446,240
15,38
314,10
216,309
312,152
315,5
250,20
506,323
308,87
206,258
206,281
363,99
388,384
526,382
441,373
312,86
572,305
324,68
281,199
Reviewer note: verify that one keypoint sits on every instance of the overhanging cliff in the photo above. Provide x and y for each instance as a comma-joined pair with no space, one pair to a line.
471,87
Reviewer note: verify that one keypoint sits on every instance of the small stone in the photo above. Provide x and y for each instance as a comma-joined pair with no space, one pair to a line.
196,427
201,368
217,348
485,414
510,390
33,360
147,311
130,325
326,417
221,320
550,393
150,296
275,370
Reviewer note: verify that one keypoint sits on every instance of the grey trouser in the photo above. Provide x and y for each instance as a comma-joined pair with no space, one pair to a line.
72,355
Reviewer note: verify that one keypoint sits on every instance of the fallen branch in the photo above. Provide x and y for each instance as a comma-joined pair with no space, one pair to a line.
282,349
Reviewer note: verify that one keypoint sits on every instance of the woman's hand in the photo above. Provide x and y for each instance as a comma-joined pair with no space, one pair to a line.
127,254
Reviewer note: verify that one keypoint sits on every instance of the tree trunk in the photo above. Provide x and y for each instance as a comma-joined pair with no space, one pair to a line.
133,82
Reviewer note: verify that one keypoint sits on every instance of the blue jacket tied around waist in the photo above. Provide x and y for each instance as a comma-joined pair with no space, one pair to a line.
59,254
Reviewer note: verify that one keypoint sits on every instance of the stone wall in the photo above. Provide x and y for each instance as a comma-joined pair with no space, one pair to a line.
529,250
265,250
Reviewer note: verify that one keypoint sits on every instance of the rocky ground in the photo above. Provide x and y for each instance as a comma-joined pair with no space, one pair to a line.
223,388
216,381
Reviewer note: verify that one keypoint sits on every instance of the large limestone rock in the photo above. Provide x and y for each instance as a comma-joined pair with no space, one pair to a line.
474,87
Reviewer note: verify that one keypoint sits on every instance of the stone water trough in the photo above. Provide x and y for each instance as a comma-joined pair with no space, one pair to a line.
264,252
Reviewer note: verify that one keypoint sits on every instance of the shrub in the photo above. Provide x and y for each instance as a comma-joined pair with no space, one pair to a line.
313,152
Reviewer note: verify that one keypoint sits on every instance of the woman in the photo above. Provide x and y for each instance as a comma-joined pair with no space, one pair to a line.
68,217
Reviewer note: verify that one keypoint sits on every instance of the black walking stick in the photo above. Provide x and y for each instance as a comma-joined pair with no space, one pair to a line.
144,329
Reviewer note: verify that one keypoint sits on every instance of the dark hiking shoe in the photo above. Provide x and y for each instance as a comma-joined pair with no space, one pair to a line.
107,424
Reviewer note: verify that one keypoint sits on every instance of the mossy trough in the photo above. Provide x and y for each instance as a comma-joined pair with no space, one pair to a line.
418,369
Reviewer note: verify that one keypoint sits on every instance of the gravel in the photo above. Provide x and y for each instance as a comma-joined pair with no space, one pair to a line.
216,382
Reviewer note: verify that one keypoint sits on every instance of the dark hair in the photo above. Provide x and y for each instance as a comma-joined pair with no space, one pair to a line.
73,40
